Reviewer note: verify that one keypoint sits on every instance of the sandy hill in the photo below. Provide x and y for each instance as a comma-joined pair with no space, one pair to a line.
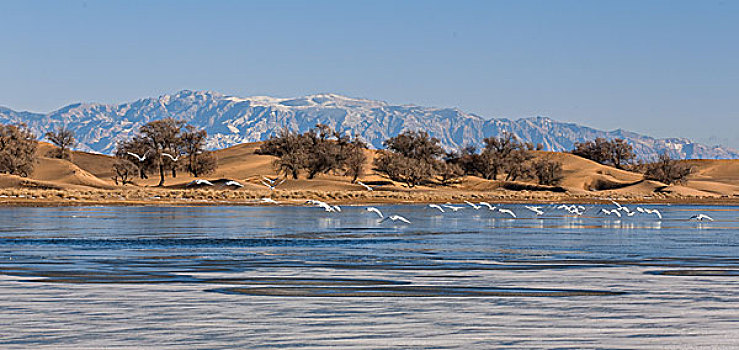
710,178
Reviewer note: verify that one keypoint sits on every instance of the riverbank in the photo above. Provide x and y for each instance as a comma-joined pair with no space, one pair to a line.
217,197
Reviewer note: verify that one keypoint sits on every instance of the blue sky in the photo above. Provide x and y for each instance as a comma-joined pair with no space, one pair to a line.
664,68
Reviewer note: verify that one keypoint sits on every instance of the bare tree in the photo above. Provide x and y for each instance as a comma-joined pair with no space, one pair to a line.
517,165
163,136
547,171
667,170
17,150
401,168
497,154
289,164
64,139
412,158
616,152
199,161
449,173
124,170
317,151
415,145
355,159
621,153
139,151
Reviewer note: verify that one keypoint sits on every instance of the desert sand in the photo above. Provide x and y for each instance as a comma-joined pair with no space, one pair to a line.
87,180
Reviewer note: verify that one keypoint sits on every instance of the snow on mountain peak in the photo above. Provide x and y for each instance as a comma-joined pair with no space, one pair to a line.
230,120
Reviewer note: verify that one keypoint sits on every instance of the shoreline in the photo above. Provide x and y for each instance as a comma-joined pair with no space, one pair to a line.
203,197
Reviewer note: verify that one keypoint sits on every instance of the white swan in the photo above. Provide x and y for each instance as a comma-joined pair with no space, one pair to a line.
272,185
452,208
140,158
534,209
654,211
174,159
436,206
376,211
396,218
200,182
490,207
233,183
701,217
612,211
507,211
328,208
367,187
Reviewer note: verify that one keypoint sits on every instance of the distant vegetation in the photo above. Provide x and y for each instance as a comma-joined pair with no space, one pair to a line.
666,170
412,157
317,151
507,155
17,150
621,155
160,146
415,158
614,152
64,140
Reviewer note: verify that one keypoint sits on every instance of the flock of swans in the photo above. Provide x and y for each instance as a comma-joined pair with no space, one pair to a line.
618,210
567,209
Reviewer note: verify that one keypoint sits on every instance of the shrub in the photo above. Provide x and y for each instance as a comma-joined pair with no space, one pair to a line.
667,170
412,157
317,151
17,150
547,171
616,152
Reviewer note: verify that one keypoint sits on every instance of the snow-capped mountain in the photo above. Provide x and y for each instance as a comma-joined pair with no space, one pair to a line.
232,120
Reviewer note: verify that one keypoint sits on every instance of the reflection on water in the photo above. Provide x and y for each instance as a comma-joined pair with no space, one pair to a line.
297,276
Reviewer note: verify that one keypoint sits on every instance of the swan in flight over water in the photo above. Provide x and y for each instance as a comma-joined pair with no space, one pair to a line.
328,208
174,159
473,205
452,208
233,183
200,182
653,211
536,210
138,157
376,211
491,207
507,211
367,187
701,217
572,209
396,218
269,200
436,206
612,211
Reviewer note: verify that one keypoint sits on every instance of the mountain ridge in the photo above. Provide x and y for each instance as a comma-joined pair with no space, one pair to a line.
231,120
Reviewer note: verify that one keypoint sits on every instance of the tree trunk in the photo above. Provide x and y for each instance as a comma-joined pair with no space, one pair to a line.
161,172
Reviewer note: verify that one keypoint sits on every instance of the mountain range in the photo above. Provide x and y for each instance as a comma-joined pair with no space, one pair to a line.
231,120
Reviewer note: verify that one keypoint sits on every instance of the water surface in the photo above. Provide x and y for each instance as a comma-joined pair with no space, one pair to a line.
224,277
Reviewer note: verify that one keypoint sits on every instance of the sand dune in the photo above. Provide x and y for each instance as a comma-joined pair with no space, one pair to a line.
582,179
